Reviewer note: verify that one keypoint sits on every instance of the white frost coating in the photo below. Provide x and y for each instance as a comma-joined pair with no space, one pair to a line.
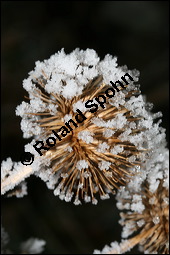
94,201
30,128
117,122
103,147
80,186
166,200
137,207
117,149
141,222
33,246
64,175
86,136
105,196
156,220
166,180
128,229
54,84
132,158
6,166
57,190
52,109
22,109
37,105
13,173
17,176
115,248
106,250
86,174
82,164
152,201
80,105
108,174
67,117
99,122
28,85
104,165
108,132
70,89
69,149
62,194
125,135
148,252
21,190
136,198
118,99
45,174
69,196
29,148
87,199
77,201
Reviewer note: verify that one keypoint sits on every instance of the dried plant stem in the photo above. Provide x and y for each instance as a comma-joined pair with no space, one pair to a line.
130,243
15,178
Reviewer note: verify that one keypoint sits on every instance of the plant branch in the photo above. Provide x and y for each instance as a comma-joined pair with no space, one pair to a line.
15,178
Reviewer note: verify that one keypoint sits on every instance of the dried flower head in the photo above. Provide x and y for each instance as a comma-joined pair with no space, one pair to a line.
148,211
104,150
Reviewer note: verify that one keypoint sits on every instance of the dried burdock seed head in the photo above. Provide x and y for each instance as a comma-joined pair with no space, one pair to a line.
98,150
148,211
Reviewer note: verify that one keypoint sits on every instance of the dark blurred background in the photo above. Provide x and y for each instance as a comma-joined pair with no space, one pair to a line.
137,33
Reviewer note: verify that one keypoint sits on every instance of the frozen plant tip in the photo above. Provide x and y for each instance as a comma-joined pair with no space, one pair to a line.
108,147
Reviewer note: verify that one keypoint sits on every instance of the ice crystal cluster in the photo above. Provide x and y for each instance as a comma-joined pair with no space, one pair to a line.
105,150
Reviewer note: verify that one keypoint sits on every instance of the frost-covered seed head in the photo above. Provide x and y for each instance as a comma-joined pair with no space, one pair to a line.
104,149
148,213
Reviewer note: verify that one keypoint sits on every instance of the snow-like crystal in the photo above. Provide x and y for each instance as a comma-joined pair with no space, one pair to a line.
82,164
86,136
103,147
33,246
156,220
104,165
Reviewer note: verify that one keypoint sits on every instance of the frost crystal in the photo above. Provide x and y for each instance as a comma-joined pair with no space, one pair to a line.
103,147
140,223
82,164
108,132
156,220
104,165
67,117
117,149
79,105
33,246
86,136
